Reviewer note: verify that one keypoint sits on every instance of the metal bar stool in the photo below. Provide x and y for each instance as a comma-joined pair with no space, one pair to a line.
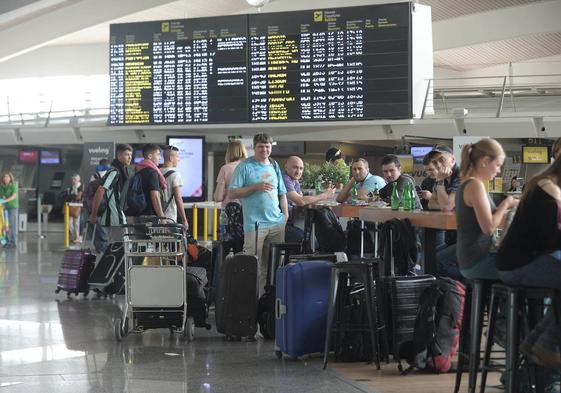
365,271
472,329
519,317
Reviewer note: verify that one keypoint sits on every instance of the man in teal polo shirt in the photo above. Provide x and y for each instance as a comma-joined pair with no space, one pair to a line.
9,198
258,183
364,180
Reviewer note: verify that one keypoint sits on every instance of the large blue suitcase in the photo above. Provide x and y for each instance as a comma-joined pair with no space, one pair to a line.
302,296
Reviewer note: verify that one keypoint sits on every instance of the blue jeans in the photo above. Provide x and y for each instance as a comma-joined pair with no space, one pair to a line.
12,217
485,269
447,263
545,272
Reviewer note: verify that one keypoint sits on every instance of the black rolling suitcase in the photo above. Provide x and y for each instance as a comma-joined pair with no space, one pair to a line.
108,277
237,295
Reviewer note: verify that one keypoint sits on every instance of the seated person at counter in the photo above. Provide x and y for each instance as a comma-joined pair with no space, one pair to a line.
363,179
441,167
333,155
529,255
293,170
391,168
477,216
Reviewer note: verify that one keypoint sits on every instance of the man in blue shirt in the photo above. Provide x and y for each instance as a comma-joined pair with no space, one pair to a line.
258,183
365,181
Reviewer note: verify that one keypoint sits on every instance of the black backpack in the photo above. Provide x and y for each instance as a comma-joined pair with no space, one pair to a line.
437,327
328,230
354,234
136,200
403,244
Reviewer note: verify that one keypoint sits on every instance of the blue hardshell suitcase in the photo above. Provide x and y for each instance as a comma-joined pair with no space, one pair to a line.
302,296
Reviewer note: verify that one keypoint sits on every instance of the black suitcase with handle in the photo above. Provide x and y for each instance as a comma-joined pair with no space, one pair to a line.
237,295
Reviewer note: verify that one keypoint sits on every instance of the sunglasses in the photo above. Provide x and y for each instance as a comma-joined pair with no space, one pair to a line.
170,147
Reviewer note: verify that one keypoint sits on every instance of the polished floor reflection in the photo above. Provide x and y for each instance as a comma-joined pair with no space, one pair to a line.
51,344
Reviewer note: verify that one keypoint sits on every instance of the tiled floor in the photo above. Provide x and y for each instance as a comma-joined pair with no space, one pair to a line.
51,344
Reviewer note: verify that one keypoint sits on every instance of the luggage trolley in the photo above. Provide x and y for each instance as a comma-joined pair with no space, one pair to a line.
155,289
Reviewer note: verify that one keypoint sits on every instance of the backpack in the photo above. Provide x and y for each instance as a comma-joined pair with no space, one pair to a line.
166,202
402,245
354,345
89,193
437,327
234,237
354,234
136,200
328,230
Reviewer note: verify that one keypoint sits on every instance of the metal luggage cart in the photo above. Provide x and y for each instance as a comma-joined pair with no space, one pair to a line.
155,281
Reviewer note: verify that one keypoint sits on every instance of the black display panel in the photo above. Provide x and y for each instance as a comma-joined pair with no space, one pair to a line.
350,63
333,64
178,72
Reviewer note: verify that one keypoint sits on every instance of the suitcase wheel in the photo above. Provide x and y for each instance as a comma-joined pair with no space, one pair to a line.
57,290
189,329
278,354
86,292
121,329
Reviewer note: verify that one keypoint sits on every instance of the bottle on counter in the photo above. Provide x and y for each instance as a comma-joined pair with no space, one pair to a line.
375,194
354,194
394,199
406,196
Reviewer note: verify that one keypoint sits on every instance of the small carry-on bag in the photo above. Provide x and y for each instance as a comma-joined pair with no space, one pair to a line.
302,291
108,277
266,307
237,295
76,267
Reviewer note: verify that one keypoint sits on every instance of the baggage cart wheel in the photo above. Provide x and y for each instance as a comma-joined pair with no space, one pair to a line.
278,354
189,329
118,331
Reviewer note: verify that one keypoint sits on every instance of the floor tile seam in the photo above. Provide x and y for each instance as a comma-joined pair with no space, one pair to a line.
337,374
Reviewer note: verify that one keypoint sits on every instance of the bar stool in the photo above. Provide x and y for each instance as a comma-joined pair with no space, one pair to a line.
515,298
472,329
365,270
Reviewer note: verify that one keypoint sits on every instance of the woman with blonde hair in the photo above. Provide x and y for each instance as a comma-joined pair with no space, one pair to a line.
231,219
75,194
476,214
9,198
235,153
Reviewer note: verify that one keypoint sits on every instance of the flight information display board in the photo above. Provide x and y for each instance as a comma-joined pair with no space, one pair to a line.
350,63
333,64
181,71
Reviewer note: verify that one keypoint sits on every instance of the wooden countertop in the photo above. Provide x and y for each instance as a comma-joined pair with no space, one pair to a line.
420,218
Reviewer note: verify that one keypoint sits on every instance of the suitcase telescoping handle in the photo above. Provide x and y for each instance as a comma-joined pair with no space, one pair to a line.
88,243
256,235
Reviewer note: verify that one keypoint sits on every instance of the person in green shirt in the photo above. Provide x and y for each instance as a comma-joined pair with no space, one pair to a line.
9,198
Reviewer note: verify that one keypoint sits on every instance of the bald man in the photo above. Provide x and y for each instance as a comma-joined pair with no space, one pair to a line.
293,172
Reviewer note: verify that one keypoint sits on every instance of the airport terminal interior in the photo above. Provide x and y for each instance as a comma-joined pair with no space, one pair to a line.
309,98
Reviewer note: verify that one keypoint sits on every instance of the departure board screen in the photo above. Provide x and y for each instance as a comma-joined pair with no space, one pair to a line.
180,71
333,64
352,63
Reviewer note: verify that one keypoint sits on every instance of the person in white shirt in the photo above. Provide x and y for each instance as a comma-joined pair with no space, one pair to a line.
172,201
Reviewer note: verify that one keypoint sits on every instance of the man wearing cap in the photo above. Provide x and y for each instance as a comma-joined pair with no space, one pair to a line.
333,155
440,165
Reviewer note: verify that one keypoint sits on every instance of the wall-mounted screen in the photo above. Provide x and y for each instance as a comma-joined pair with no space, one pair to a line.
191,166
350,63
535,155
50,157
28,156
419,152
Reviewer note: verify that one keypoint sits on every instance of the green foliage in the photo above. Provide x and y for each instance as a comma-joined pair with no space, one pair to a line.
326,173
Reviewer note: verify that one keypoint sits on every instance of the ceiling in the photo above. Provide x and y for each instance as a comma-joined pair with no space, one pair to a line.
463,20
